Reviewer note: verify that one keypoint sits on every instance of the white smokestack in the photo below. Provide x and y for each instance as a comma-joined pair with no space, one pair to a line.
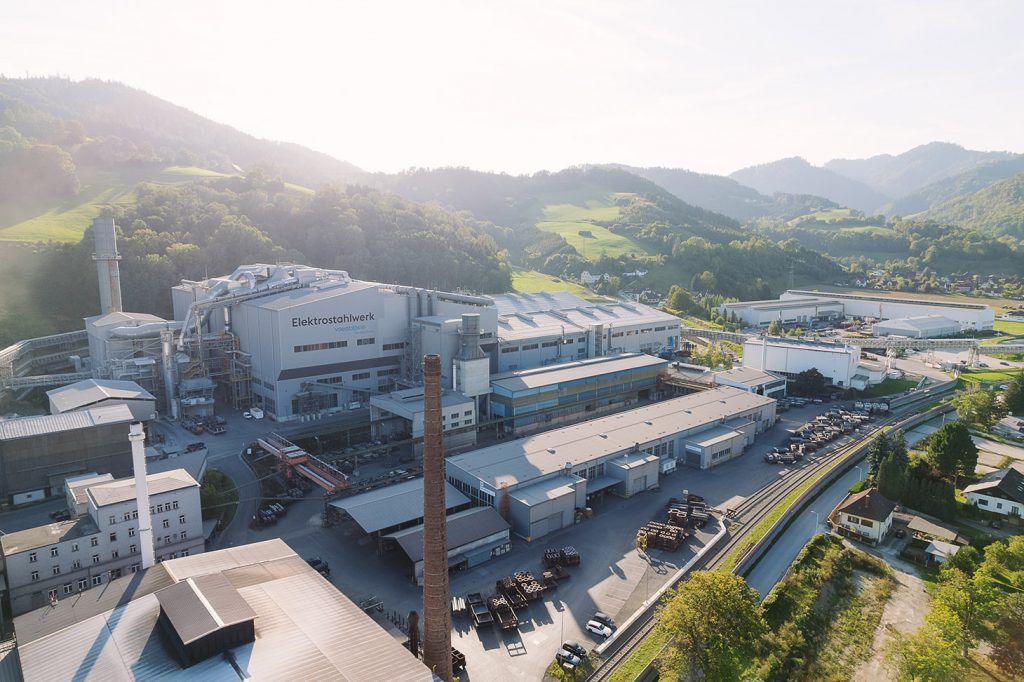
137,436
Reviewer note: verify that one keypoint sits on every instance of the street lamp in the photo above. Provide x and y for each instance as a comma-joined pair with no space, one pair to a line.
817,519
860,472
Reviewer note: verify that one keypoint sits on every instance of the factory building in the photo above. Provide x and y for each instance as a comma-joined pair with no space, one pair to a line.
807,312
921,327
802,308
541,480
540,398
752,380
394,507
535,330
474,536
127,347
318,341
101,542
399,415
198,617
90,393
841,365
38,453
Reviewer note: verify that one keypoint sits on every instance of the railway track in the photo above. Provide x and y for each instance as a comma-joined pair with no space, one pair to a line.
745,517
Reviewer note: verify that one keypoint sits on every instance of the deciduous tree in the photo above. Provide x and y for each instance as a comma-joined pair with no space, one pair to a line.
714,621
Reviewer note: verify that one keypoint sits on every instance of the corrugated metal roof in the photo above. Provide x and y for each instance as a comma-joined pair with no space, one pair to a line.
200,606
305,628
26,427
123,489
88,392
748,376
10,665
553,375
527,459
393,505
464,527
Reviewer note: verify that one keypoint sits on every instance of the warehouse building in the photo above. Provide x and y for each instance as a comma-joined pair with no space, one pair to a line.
752,380
541,480
101,543
841,365
475,536
535,330
91,393
394,507
802,308
539,398
38,453
921,327
255,612
807,312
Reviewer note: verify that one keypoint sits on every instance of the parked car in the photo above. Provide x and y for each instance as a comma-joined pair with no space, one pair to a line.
599,629
995,523
602,617
574,647
1004,363
247,415
983,364
320,565
900,533
60,515
565,657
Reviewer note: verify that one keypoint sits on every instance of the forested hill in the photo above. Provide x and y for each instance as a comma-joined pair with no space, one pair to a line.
603,219
797,176
997,210
725,195
106,123
902,174
210,227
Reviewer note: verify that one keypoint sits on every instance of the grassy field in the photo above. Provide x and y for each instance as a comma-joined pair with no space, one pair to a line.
888,387
1009,327
533,282
569,218
987,376
640,658
67,221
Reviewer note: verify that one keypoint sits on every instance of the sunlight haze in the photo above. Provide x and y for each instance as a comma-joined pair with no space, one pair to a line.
519,87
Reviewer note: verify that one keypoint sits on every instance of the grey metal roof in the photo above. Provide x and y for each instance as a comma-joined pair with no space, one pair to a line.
919,323
464,527
317,292
527,459
91,391
200,606
305,628
123,489
44,536
879,298
748,376
408,402
393,505
553,375
550,489
26,427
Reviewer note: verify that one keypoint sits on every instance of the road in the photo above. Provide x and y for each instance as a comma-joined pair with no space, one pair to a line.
777,560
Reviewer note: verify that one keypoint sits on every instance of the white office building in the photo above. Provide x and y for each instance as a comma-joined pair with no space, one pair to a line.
841,365
101,540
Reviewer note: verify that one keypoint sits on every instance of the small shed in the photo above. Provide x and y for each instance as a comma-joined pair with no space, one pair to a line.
937,552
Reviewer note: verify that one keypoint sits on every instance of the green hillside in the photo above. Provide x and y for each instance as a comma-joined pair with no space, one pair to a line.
67,220
582,226
996,210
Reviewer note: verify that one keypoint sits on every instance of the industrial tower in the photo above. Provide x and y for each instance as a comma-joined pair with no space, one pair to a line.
437,616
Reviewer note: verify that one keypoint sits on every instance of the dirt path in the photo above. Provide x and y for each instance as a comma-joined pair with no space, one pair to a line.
904,611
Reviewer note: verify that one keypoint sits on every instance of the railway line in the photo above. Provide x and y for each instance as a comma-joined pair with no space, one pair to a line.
746,515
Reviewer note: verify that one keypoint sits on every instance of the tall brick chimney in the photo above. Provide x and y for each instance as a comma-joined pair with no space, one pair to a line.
437,616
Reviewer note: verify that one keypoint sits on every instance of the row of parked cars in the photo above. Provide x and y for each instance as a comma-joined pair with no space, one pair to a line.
572,653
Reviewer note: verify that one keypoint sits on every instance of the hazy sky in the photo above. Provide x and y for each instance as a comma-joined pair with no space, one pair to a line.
520,86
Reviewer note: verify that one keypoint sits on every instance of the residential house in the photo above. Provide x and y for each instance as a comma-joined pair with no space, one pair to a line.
865,516
1000,492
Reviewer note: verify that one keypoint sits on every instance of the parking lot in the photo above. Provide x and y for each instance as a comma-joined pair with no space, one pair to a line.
612,577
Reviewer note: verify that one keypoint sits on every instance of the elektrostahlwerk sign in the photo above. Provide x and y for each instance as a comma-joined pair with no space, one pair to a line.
334,319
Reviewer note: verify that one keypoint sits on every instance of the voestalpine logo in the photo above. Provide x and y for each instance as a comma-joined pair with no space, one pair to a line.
334,319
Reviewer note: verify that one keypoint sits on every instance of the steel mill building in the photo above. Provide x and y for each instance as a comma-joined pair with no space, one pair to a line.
542,479
300,341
